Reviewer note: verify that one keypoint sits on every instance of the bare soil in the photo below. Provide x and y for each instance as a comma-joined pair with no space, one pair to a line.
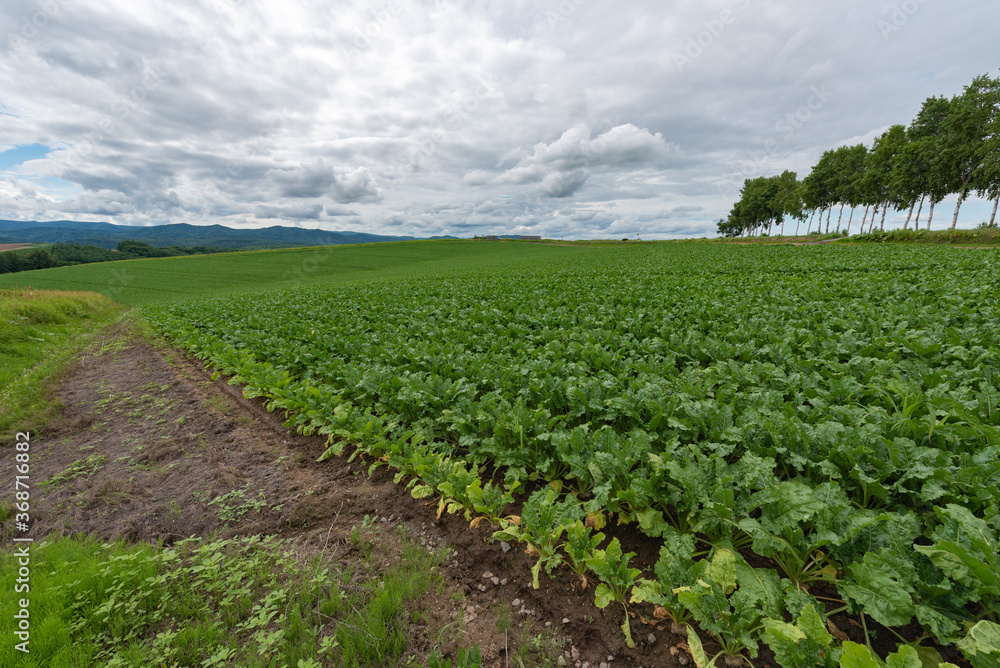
7,247
184,455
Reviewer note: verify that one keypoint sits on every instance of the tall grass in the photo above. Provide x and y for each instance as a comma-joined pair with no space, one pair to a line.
978,236
40,332
241,602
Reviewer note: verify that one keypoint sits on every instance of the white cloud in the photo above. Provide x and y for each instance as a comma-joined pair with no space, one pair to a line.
562,167
423,117
321,178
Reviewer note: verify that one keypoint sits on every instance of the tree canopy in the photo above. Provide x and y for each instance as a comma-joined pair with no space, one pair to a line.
951,147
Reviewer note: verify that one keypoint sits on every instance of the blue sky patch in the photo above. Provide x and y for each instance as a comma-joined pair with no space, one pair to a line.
20,154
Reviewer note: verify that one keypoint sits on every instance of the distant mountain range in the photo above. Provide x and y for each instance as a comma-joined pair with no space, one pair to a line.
107,235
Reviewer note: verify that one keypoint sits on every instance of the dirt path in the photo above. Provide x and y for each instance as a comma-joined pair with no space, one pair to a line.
813,243
781,243
165,452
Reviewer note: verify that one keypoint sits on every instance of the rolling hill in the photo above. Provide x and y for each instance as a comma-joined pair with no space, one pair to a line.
107,235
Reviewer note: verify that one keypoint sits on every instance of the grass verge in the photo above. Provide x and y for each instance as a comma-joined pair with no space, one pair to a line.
40,333
245,602
981,236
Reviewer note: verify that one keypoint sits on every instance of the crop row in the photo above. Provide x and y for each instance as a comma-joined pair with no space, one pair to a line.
835,412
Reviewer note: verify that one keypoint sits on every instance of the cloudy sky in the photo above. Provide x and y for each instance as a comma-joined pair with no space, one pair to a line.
565,118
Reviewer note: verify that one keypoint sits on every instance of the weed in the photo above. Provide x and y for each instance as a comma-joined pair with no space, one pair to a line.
81,467
505,618
466,658
246,602
536,650
218,403
112,345
234,505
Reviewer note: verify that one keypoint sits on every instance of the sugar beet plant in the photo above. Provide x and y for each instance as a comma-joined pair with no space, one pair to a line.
833,410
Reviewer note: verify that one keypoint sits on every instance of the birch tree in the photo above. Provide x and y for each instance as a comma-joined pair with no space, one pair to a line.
965,129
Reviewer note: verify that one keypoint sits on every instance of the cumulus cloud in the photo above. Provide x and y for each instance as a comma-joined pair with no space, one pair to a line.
321,178
562,167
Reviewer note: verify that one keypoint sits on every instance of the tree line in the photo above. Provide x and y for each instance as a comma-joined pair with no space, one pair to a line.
952,146
63,255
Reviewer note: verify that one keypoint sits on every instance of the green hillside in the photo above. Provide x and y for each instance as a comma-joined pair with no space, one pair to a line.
158,280
107,235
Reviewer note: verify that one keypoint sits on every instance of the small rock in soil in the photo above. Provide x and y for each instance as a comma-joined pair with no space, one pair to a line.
516,603
561,661
504,581
495,580
574,653
487,575
565,620
505,547
651,639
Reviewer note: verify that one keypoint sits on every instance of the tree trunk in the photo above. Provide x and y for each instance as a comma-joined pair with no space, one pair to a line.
811,216
849,222
916,224
995,203
906,225
885,209
782,226
829,213
840,217
930,216
961,198
865,219
871,225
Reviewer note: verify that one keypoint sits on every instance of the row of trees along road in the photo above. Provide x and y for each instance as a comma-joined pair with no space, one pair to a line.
952,146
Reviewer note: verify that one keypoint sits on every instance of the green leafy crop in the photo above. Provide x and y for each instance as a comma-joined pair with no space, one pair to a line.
834,412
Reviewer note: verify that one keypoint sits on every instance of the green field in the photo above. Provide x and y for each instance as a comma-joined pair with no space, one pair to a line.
809,432
832,410
161,280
